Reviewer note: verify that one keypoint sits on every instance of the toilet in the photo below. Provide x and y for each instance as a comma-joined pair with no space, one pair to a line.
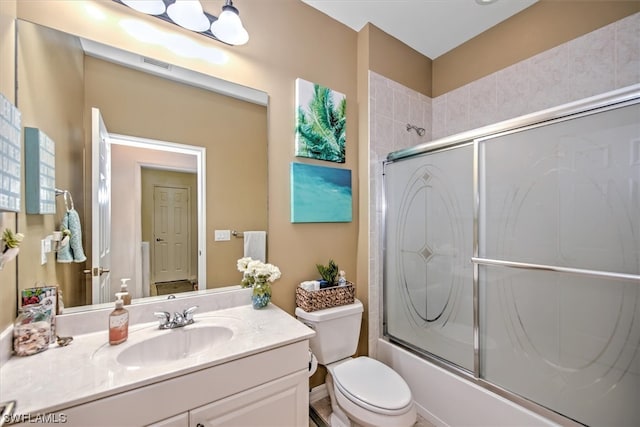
363,391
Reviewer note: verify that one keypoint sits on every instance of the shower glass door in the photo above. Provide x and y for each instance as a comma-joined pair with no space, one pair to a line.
428,285
559,261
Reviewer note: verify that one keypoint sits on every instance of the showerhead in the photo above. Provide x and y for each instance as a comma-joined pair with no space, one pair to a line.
419,131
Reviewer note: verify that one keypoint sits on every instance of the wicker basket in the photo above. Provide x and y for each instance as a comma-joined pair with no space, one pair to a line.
325,298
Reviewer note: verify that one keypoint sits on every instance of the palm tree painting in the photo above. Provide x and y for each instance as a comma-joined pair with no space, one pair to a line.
320,122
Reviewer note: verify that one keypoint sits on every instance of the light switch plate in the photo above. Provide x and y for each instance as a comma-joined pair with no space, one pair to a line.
222,235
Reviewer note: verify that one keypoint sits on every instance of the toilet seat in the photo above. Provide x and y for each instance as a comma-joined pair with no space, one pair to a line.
372,385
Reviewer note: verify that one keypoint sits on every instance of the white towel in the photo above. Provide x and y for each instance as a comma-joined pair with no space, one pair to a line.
255,245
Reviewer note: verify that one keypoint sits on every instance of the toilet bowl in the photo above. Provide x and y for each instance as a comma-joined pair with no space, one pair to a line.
369,393
363,390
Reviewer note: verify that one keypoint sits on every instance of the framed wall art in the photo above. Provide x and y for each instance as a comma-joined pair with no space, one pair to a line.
320,194
321,122
10,156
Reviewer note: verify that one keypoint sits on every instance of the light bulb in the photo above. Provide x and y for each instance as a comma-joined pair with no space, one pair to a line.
188,14
150,7
228,28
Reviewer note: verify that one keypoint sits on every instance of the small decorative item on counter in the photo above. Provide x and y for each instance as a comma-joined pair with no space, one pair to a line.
47,296
329,274
258,276
31,330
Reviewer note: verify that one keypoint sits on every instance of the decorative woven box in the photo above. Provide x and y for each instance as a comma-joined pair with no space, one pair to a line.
325,298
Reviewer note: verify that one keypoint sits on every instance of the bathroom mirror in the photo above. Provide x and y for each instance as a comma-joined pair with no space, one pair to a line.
159,117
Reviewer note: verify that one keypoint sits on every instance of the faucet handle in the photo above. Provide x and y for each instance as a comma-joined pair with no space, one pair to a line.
164,317
188,313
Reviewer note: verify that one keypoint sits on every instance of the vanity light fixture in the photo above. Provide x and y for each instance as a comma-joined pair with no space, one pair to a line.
188,14
150,7
227,28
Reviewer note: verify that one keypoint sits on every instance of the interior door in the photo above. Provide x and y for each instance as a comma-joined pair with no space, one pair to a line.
171,227
101,210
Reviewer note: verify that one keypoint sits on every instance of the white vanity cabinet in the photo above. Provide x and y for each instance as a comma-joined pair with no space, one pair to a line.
264,389
181,420
283,402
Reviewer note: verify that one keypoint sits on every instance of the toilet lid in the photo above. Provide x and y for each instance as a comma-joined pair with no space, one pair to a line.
375,384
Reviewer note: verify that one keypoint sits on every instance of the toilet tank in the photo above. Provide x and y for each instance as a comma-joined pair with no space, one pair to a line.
337,331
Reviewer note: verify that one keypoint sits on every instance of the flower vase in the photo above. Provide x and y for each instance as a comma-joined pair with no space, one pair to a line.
8,255
261,294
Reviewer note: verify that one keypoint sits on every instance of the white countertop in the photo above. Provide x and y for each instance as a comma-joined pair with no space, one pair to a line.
85,370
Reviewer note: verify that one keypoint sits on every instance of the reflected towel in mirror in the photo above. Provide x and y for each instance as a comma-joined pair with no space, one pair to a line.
74,250
255,245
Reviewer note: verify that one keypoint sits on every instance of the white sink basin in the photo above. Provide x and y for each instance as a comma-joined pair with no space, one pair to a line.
173,344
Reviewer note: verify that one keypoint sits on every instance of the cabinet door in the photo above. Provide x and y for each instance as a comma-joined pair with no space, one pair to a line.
181,420
283,402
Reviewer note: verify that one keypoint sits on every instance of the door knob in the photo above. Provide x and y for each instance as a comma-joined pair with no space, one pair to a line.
96,271
159,240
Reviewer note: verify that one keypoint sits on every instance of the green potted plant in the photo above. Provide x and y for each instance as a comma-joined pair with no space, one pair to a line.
9,246
329,274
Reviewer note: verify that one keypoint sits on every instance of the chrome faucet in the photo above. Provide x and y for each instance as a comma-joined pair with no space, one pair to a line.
178,319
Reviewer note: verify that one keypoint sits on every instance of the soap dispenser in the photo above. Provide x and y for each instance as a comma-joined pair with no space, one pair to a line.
118,323
124,292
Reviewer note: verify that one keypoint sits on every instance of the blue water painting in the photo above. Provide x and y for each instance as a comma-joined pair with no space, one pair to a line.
320,194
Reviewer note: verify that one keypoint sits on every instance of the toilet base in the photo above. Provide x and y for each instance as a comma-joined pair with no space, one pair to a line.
338,418
336,421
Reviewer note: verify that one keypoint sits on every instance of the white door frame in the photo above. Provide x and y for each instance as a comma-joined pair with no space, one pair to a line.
200,154
100,210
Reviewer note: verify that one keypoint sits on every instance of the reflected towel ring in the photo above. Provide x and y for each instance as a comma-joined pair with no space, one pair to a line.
68,200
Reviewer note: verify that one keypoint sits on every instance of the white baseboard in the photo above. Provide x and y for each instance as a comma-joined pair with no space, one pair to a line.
317,393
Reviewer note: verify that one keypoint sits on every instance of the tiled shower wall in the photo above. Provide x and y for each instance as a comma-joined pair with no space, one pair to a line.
598,62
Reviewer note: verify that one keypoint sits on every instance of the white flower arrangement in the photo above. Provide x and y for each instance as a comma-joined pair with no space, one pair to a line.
254,271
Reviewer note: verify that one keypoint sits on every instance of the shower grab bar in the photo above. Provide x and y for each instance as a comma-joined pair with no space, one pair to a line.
531,266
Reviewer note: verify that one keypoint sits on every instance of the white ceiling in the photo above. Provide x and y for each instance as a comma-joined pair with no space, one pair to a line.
432,27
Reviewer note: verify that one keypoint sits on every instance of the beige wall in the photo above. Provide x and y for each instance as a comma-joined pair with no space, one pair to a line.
393,59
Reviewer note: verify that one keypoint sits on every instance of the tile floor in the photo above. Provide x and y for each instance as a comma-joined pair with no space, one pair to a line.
322,408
